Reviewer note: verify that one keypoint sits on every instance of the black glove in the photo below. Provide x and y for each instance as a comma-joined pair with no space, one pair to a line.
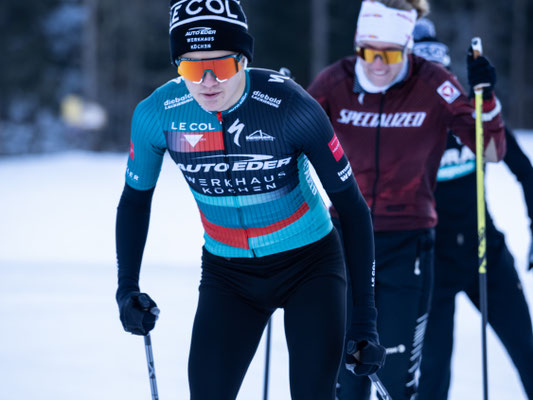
530,266
364,354
138,313
480,70
363,357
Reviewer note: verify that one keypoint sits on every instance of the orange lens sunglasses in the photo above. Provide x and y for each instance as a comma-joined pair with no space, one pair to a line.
388,56
222,68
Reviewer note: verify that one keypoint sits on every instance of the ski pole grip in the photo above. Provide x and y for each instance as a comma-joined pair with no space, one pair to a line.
477,48
477,51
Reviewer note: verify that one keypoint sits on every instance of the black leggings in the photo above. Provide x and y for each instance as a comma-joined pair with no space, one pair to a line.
238,296
456,270
404,275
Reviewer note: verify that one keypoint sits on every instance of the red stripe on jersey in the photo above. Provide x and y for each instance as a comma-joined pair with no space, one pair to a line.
231,236
336,148
237,237
276,226
199,141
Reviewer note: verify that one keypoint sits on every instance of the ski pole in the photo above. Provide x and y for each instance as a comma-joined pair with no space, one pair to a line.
267,359
145,303
151,367
380,387
482,240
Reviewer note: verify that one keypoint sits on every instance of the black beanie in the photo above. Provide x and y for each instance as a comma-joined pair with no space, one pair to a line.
206,25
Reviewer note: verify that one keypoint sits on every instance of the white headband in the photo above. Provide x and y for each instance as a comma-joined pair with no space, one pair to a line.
380,23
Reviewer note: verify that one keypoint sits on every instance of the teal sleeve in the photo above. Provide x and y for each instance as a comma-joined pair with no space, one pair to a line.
147,146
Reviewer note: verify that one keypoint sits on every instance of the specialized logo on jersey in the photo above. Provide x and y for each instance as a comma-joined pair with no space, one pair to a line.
388,120
278,78
448,92
265,98
336,148
177,101
236,129
258,136
132,151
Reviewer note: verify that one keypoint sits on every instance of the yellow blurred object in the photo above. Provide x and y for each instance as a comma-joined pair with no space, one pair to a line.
82,114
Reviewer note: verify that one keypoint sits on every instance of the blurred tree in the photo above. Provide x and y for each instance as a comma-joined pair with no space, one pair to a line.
116,52
39,43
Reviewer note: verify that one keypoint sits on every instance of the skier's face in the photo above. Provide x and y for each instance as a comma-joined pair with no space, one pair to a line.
210,93
381,61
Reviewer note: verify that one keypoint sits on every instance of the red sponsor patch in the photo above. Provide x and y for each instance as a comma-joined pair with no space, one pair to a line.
336,148
448,92
188,142
132,152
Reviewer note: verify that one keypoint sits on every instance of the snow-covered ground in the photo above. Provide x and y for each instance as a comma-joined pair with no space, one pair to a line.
60,335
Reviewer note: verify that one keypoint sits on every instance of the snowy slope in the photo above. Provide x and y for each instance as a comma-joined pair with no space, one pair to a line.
61,337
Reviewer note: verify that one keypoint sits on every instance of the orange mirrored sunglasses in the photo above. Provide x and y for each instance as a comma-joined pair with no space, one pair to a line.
388,56
222,68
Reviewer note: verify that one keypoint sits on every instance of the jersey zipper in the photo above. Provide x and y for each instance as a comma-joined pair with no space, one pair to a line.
228,175
378,137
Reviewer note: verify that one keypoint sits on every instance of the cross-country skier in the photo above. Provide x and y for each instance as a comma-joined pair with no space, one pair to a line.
456,252
391,112
243,138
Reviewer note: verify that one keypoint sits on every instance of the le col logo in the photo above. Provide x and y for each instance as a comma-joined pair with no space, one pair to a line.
186,11
193,126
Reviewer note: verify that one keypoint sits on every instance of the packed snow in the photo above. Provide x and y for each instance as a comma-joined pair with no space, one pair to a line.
61,336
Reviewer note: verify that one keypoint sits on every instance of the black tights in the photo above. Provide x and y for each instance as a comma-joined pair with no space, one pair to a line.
238,296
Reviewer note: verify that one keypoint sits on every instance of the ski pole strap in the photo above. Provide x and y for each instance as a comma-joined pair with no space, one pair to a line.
380,387
151,368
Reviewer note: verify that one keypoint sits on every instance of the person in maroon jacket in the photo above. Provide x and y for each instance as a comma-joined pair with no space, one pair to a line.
391,112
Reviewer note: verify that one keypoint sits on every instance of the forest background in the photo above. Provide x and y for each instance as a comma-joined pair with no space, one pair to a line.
72,71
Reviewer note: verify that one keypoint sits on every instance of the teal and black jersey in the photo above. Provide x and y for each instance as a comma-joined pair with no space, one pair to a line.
247,167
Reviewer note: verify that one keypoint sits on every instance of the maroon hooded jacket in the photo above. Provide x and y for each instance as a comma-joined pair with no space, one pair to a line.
395,140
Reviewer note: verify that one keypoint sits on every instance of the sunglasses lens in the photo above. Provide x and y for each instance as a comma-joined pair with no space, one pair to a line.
393,56
191,70
223,68
387,56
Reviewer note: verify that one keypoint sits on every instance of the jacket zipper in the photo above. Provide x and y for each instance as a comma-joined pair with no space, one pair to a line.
378,137
228,176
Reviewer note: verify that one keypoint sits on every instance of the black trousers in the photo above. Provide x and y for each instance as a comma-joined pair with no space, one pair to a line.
456,270
238,296
404,274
